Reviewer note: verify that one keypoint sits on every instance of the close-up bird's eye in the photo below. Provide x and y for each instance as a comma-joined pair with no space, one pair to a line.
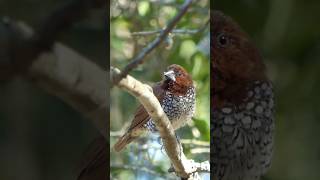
222,40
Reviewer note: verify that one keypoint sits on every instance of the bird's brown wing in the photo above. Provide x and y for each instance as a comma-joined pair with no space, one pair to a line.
141,116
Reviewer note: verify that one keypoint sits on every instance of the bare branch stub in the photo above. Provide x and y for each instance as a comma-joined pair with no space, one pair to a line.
140,58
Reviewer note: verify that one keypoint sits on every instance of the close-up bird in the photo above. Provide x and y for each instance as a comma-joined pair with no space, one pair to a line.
242,105
176,94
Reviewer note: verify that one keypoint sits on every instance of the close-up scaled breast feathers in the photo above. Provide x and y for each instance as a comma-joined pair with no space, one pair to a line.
176,94
242,104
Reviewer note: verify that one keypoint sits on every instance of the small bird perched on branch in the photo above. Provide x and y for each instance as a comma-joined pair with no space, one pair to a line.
242,105
176,94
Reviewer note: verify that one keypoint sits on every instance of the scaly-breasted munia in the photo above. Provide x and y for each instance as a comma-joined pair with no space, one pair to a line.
242,105
176,94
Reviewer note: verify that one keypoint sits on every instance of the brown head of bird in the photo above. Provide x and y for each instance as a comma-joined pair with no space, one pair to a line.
176,94
242,106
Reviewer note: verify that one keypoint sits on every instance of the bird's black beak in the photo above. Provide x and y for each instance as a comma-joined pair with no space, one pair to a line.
169,75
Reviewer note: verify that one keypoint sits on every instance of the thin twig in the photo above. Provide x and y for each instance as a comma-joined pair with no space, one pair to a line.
151,46
139,168
174,31
182,166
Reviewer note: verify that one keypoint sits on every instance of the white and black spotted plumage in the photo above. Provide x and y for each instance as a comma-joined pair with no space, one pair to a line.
242,136
242,105
176,94
178,108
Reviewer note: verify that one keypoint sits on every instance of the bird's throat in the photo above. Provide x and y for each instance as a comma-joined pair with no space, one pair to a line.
228,93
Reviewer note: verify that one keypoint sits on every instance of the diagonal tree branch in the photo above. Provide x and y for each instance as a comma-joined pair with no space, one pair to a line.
27,48
82,84
182,166
139,59
55,67
58,69
62,72
174,31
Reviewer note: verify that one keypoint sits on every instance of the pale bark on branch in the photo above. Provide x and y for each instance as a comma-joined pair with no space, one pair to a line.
36,55
184,167
79,82
61,71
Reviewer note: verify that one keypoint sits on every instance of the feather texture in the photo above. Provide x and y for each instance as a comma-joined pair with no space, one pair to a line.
176,95
242,105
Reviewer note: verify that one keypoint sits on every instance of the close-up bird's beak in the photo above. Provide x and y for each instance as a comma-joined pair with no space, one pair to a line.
170,75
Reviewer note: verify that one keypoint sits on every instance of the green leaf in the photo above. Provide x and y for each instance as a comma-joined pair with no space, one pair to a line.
143,8
187,49
203,127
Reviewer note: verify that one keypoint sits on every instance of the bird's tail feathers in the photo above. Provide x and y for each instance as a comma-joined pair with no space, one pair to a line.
123,141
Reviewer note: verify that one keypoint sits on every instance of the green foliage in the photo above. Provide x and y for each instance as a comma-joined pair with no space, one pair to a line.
203,127
178,49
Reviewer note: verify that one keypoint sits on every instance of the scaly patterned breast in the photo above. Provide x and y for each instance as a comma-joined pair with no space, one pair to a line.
242,135
179,109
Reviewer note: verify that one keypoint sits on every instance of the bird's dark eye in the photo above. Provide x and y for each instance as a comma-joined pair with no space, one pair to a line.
222,40
178,74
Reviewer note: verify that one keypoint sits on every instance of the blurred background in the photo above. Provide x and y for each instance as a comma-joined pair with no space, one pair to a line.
190,50
41,137
288,34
